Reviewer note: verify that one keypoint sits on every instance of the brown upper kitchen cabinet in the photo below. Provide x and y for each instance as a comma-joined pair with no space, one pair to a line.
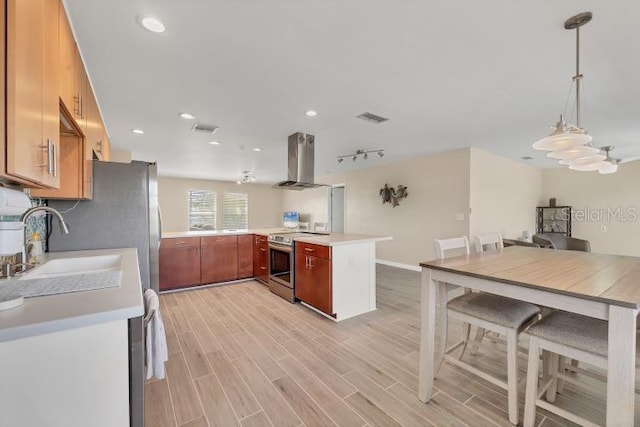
313,276
219,259
67,52
83,134
31,95
179,263
72,166
245,256
103,147
261,258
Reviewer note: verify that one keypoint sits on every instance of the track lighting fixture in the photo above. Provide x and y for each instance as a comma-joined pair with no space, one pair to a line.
360,152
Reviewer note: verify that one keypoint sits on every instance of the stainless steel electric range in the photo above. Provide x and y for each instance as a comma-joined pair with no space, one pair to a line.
282,264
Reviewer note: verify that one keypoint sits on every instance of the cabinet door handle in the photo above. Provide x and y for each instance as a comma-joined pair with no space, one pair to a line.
48,148
263,250
55,160
309,249
49,156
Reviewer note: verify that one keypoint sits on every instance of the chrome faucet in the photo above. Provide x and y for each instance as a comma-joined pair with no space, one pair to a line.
64,228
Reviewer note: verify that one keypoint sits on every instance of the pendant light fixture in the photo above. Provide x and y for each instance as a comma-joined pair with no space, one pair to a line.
569,143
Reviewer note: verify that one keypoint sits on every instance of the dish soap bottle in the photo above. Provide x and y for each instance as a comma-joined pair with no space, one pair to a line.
36,249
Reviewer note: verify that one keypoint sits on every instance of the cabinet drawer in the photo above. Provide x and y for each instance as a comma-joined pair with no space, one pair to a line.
218,240
180,242
319,251
261,239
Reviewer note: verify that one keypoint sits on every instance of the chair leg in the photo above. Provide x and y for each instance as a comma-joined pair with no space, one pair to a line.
532,383
466,331
475,345
512,375
442,291
553,371
562,363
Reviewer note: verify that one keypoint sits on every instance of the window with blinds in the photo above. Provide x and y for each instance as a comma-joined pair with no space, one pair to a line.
202,210
235,211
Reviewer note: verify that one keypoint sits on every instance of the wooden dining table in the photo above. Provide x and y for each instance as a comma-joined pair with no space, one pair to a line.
602,286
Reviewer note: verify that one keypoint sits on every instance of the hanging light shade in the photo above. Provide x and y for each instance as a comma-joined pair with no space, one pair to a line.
573,153
589,167
570,143
563,137
585,160
608,167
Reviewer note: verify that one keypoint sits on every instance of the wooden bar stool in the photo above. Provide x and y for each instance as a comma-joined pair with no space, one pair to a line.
565,335
492,312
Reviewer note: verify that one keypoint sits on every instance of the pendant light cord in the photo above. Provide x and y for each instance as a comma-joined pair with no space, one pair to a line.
578,77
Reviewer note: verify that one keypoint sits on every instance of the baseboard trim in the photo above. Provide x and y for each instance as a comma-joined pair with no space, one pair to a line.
399,265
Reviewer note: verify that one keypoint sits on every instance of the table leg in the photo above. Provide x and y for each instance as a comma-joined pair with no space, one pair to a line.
621,372
427,335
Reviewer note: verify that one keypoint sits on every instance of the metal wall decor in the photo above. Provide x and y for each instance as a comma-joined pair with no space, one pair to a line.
393,195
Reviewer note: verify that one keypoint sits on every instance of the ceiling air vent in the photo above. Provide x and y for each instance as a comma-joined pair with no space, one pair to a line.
373,118
200,127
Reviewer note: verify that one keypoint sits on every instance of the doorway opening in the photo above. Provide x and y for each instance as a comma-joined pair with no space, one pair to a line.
337,208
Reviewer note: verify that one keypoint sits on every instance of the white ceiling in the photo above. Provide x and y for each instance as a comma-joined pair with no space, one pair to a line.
493,74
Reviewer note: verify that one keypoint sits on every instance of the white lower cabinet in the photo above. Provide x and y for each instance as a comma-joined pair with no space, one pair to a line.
72,378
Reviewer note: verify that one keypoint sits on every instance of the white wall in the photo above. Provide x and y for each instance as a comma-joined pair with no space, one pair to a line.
310,203
265,203
504,195
591,195
120,156
438,187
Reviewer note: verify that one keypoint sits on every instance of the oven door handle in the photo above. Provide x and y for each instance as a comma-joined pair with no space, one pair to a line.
282,248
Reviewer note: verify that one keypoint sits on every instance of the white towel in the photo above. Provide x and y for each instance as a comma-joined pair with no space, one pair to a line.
156,340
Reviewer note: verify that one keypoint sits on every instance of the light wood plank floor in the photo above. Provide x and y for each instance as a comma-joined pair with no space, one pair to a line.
241,356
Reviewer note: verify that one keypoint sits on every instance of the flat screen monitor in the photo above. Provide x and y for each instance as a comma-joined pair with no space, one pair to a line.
291,219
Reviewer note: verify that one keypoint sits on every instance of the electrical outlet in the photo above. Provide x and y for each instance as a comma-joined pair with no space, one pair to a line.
603,228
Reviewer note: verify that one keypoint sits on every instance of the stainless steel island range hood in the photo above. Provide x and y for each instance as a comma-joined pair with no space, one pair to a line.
300,164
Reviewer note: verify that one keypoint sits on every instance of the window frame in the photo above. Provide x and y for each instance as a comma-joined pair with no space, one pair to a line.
213,213
235,225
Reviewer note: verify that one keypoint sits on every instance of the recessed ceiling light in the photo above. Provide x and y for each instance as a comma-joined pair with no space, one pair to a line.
214,143
152,24
138,131
310,113
187,116
257,149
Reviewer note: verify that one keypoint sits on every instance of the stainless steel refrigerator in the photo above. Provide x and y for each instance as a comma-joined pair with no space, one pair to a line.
122,214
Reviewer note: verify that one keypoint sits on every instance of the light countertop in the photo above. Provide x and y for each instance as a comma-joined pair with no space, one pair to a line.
330,239
335,239
205,233
52,313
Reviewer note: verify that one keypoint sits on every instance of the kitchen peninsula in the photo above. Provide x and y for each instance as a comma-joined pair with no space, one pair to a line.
332,274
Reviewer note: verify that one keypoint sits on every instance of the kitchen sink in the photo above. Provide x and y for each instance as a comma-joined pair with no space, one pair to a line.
73,266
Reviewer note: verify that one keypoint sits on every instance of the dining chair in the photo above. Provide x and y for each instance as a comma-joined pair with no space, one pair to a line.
490,241
483,243
565,335
496,313
542,241
560,241
516,242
